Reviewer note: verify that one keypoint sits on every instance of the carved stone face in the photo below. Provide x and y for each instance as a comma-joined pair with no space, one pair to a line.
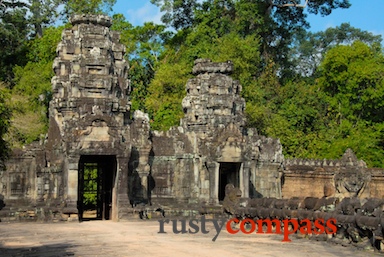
354,182
351,182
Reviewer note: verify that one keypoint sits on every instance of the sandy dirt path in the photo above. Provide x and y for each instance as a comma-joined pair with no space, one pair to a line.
141,238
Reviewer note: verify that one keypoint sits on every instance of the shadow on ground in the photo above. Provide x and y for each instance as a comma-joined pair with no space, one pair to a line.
53,250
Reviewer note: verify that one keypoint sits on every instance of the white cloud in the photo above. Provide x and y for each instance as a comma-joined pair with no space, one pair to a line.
146,13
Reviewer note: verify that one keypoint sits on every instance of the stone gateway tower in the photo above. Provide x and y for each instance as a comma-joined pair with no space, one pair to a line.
211,148
90,126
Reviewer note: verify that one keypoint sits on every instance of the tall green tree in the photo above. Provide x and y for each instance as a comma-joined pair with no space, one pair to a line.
353,83
32,88
309,48
177,13
145,45
13,35
274,21
341,109
353,79
21,21
296,116
42,13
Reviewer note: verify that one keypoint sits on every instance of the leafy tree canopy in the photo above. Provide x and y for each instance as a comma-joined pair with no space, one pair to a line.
88,6
310,48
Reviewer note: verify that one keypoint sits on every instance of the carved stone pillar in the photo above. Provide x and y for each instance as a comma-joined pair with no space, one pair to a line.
245,171
213,168
121,188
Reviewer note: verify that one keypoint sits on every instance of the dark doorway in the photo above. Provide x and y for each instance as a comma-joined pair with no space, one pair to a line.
229,173
96,181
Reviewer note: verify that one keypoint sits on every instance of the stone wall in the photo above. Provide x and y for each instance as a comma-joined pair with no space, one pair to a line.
346,177
29,189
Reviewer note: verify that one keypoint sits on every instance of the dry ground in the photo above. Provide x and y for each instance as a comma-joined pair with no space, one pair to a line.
140,238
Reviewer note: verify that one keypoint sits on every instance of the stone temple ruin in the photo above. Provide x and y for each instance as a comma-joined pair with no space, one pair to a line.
91,128
100,159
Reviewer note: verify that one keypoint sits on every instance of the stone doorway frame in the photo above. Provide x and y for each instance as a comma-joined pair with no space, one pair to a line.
229,172
107,186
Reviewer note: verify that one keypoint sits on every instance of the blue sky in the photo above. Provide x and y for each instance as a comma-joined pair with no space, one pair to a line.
364,14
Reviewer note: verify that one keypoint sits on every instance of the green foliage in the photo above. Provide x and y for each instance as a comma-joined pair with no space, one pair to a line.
325,7
20,22
366,140
261,98
34,81
5,116
145,45
297,119
310,48
44,49
88,6
125,29
353,83
13,36
164,95
32,90
26,125
31,95
352,78
177,13
90,186
42,14
275,24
